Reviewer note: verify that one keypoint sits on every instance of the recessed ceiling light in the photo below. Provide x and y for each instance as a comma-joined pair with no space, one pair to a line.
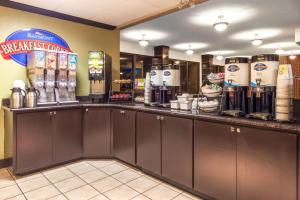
219,57
221,25
189,52
292,57
177,62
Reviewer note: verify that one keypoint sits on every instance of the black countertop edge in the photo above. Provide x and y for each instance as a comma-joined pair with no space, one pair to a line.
212,117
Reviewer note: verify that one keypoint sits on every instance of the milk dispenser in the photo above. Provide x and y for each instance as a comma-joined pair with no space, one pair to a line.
236,82
156,81
171,84
51,64
72,68
62,78
264,69
36,64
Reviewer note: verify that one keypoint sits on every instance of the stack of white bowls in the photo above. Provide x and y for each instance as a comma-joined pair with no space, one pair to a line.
284,93
147,93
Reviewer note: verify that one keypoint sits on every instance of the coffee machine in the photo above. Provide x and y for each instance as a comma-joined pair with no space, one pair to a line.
171,84
236,82
36,64
262,93
99,64
156,81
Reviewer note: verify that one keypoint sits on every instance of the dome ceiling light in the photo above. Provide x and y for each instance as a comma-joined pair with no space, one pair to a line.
143,42
257,41
292,57
221,25
189,51
220,57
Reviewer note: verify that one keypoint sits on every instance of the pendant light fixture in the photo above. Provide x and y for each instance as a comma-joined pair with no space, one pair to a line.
189,51
279,51
221,25
143,42
257,41
220,57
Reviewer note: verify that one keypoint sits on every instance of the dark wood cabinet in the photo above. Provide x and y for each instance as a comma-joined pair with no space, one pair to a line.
124,135
33,141
148,135
177,150
215,160
96,132
266,165
67,135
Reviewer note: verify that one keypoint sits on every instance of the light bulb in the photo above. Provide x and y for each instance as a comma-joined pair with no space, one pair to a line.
292,57
189,52
143,43
219,57
221,26
257,42
279,51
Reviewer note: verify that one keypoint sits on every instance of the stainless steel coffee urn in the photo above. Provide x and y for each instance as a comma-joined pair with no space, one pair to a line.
32,97
17,98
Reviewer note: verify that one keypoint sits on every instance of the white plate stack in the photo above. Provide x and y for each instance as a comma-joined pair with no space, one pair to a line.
284,93
147,93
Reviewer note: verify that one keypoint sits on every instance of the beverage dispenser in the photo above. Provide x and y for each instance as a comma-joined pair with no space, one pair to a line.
156,81
99,65
171,84
262,93
36,64
236,82
51,65
61,77
72,71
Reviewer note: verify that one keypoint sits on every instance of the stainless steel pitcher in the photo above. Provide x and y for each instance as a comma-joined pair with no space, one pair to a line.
32,97
17,98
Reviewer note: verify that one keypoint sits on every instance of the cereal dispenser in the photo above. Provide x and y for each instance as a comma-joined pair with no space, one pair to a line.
72,68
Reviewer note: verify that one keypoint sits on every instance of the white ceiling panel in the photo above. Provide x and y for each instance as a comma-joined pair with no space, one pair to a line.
113,12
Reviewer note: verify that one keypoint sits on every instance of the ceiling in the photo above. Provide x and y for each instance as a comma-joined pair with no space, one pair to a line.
113,12
274,20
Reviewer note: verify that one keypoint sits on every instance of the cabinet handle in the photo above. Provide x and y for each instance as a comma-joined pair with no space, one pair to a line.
232,129
162,118
86,110
122,112
51,113
238,130
158,117
54,112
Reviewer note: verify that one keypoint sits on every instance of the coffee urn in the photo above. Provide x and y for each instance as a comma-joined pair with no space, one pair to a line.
236,82
262,93
156,81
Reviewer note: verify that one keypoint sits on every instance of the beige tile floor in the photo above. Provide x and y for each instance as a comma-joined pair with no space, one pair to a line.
88,180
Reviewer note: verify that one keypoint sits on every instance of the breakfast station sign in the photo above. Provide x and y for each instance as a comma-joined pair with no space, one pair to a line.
20,42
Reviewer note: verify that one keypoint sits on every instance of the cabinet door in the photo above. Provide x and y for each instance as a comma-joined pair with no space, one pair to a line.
177,150
97,137
34,141
266,165
215,160
148,142
124,135
67,135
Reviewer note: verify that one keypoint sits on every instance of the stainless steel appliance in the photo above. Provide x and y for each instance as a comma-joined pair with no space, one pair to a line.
17,98
264,69
236,82
99,64
32,97
156,81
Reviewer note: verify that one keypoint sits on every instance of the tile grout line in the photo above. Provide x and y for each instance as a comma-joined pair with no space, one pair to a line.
54,186
16,185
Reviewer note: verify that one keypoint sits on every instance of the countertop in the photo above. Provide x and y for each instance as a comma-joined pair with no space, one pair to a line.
212,117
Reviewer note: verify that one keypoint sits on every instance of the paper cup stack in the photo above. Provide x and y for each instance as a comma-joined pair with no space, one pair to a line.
284,93
147,93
